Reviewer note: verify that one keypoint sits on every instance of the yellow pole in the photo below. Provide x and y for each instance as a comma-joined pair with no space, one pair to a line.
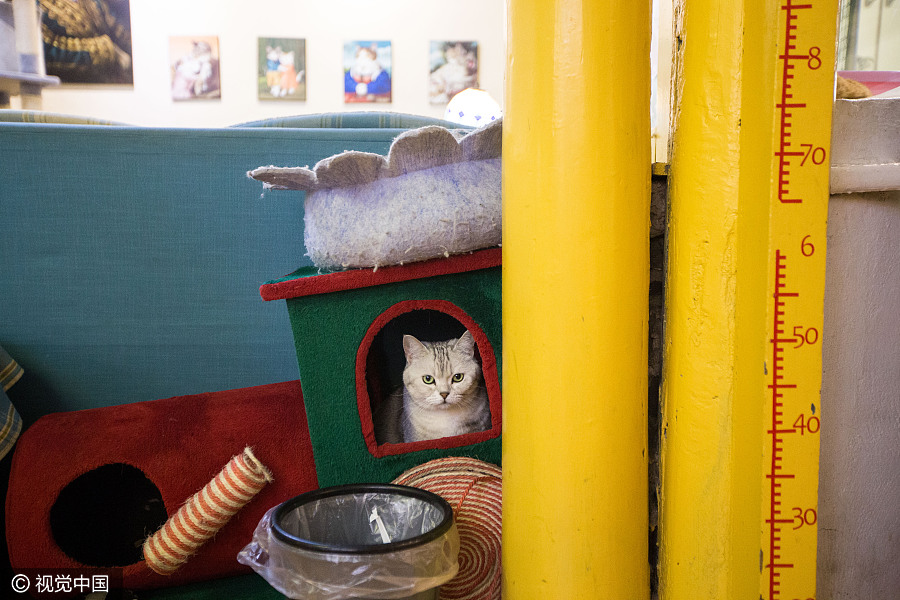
576,175
725,222
712,364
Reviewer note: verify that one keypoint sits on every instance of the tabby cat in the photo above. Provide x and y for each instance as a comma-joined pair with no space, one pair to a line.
442,394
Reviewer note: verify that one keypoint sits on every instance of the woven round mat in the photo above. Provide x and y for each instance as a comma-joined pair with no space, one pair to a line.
473,488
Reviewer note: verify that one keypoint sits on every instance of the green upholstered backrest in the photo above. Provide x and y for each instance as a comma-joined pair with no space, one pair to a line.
132,257
353,120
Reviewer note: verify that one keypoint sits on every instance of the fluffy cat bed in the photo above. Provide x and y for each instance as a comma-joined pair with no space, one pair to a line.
436,193
87,487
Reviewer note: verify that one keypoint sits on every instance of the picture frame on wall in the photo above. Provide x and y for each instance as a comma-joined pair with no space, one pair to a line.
453,68
194,66
282,69
88,42
367,71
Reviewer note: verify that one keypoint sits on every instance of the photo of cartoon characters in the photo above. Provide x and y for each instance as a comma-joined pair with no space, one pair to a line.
282,69
194,63
454,68
367,72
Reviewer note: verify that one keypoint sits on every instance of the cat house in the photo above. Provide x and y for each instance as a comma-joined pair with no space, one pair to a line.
401,244
348,328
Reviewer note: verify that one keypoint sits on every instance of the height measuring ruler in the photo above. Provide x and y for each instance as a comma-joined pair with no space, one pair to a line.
795,287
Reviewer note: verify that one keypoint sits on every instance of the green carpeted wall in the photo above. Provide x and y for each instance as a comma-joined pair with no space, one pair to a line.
329,329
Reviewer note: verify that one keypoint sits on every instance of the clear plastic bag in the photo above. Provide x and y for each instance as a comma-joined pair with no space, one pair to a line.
356,541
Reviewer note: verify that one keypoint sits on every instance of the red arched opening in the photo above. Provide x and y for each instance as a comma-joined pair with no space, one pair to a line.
380,362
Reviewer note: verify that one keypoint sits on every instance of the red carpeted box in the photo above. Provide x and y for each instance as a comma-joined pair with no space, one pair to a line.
88,486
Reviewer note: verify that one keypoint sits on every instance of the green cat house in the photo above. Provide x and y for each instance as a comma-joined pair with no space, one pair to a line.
348,327
401,244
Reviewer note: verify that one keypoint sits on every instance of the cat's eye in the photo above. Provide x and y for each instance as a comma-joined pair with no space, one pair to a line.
458,377
428,379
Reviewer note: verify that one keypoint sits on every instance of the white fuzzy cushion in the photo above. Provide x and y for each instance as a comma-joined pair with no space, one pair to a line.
440,211
436,193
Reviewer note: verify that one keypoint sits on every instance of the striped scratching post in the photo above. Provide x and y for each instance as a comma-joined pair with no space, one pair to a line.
205,513
474,490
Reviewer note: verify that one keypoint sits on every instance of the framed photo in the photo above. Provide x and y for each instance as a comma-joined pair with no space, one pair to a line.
367,72
282,69
454,68
90,41
194,64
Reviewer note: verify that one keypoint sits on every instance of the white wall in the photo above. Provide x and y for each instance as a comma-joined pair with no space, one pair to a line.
859,477
859,464
325,24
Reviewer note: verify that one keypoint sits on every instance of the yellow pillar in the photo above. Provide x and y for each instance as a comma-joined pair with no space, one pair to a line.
723,534
576,175
724,224
713,360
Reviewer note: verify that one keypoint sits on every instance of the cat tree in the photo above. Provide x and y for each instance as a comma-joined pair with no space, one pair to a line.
416,229
348,327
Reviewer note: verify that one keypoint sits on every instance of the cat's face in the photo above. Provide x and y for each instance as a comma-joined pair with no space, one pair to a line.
439,375
202,50
455,53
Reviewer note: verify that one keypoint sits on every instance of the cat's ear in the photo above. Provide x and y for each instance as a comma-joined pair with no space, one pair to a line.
465,344
413,348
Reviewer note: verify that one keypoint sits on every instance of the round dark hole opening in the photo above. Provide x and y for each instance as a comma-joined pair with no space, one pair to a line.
102,518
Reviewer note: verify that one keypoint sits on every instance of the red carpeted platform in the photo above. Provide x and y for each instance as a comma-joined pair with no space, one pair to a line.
87,486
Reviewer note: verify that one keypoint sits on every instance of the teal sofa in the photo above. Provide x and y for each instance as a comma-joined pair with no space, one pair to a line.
132,259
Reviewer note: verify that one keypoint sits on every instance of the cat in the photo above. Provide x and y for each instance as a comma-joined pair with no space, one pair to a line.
196,74
289,78
442,394
366,79
273,76
456,74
